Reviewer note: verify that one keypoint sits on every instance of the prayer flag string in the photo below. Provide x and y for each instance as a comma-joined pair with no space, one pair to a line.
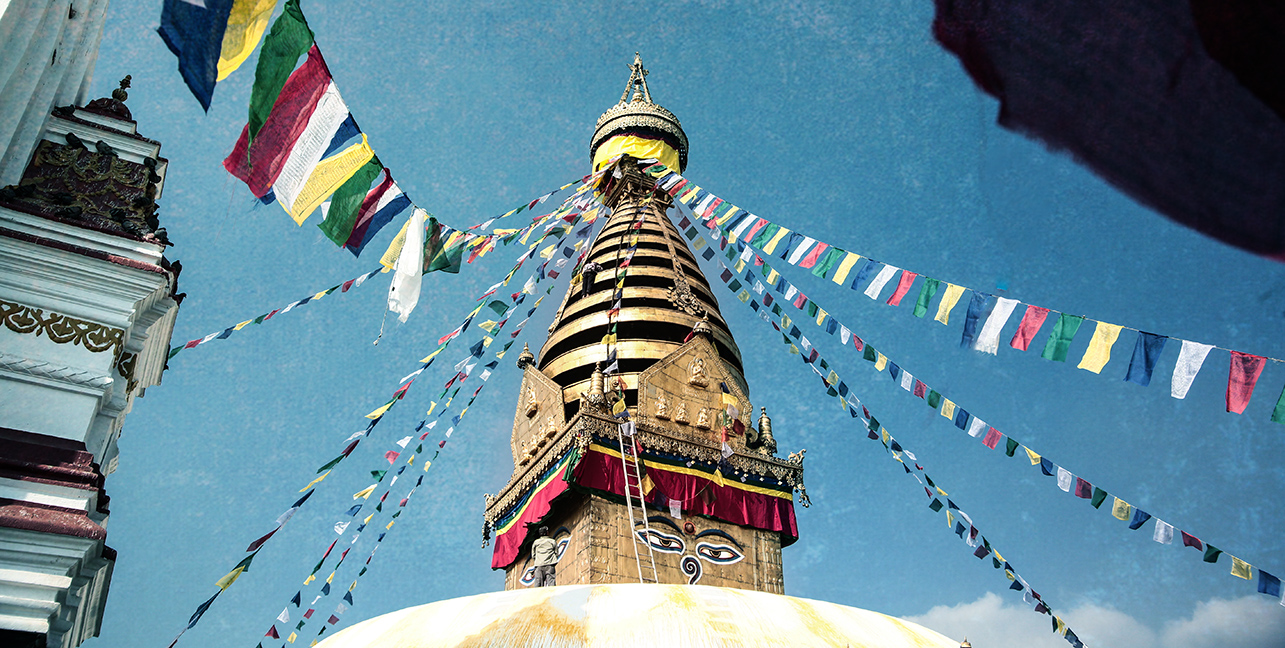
949,409
853,270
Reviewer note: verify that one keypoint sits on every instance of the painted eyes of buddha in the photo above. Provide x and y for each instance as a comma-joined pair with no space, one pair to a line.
718,554
663,542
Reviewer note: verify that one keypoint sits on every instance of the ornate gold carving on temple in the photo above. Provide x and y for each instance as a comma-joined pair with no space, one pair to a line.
702,419
60,329
680,416
596,398
682,297
662,408
532,405
696,373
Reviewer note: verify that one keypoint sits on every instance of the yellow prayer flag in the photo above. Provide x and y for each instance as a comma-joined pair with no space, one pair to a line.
390,524
489,326
781,233
1035,458
881,362
884,433
292,637
794,350
728,216
309,579
717,477
327,176
785,321
1241,569
772,276
331,577
227,580
320,294
411,461
367,520
1099,352
380,411
1121,509
941,492
729,399
395,248
841,275
427,465
948,408
687,197
618,407
739,265
821,315
548,251
1061,626
365,492
314,482
433,354
609,338
432,406
950,520
948,301
647,485
246,22
242,325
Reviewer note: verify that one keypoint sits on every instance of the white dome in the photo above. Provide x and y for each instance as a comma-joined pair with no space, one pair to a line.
625,615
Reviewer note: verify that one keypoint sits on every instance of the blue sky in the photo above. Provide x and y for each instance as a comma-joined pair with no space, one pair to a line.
844,122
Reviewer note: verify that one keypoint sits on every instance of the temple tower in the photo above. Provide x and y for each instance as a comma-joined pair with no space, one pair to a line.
87,306
719,502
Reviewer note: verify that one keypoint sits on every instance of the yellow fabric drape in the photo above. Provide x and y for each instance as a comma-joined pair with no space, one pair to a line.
1099,352
639,147
948,302
246,24
327,176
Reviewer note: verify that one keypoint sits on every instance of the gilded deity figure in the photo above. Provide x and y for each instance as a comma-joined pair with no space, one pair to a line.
681,415
702,419
697,373
662,407
532,405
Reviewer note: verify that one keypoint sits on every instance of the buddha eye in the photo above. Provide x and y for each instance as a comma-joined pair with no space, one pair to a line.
662,542
528,577
562,547
719,554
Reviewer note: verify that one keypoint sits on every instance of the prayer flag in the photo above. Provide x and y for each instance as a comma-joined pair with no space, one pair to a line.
1163,533
1278,413
975,308
1189,540
288,39
1139,518
230,577
948,301
1244,373
403,292
1035,457
1060,340
845,267
1211,553
1190,358
1121,509
988,338
880,280
1083,489
810,260
799,251
992,438
346,203
1241,569
1064,479
864,272
1099,496
926,293
903,287
1031,323
246,24
1268,584
976,427
1099,351
325,177
1146,351
194,33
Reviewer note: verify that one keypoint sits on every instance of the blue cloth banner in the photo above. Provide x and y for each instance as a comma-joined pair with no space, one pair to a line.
194,33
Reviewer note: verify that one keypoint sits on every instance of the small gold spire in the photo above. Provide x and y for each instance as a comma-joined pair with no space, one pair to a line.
637,80
526,357
119,94
965,644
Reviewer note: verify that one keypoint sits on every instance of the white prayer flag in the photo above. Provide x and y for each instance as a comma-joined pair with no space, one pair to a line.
976,427
881,279
340,527
727,450
284,617
801,250
988,340
675,509
907,380
403,292
1164,532
1064,479
844,335
1189,360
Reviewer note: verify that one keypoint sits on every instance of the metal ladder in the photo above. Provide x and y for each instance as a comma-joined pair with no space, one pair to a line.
636,504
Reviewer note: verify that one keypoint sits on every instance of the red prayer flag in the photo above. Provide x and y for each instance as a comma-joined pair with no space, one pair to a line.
857,342
920,388
1083,489
1245,369
800,300
308,614
272,632
259,543
1031,323
369,206
1189,540
192,343
332,620
813,256
259,164
391,456
712,206
347,285
758,225
992,439
903,287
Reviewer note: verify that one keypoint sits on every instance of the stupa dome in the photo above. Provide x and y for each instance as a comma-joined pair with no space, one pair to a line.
622,615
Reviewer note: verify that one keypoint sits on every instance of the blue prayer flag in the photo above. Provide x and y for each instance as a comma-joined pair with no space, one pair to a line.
1268,584
194,33
1140,518
893,370
1145,354
976,307
347,131
961,418
863,273
382,218
1047,467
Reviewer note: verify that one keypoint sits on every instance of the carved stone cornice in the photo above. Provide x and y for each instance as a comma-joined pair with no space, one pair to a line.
42,369
61,329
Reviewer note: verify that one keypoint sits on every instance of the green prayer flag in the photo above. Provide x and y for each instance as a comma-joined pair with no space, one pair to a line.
436,255
926,294
870,354
346,202
378,474
1212,553
936,505
1010,447
934,401
331,464
1278,414
1060,341
289,39
499,307
765,235
1099,496
828,260
874,424
812,308
731,253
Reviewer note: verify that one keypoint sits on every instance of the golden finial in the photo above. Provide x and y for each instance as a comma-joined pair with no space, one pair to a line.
526,357
637,80
119,94
965,644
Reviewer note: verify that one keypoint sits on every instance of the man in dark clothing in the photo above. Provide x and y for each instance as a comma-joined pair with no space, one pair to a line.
545,552
588,274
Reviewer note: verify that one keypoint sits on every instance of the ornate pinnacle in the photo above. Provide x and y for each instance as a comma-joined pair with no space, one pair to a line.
637,79
119,94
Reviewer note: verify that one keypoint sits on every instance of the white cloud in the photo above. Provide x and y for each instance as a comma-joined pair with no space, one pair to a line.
988,622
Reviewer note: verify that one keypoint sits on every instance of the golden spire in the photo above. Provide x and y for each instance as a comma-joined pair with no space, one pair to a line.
637,81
